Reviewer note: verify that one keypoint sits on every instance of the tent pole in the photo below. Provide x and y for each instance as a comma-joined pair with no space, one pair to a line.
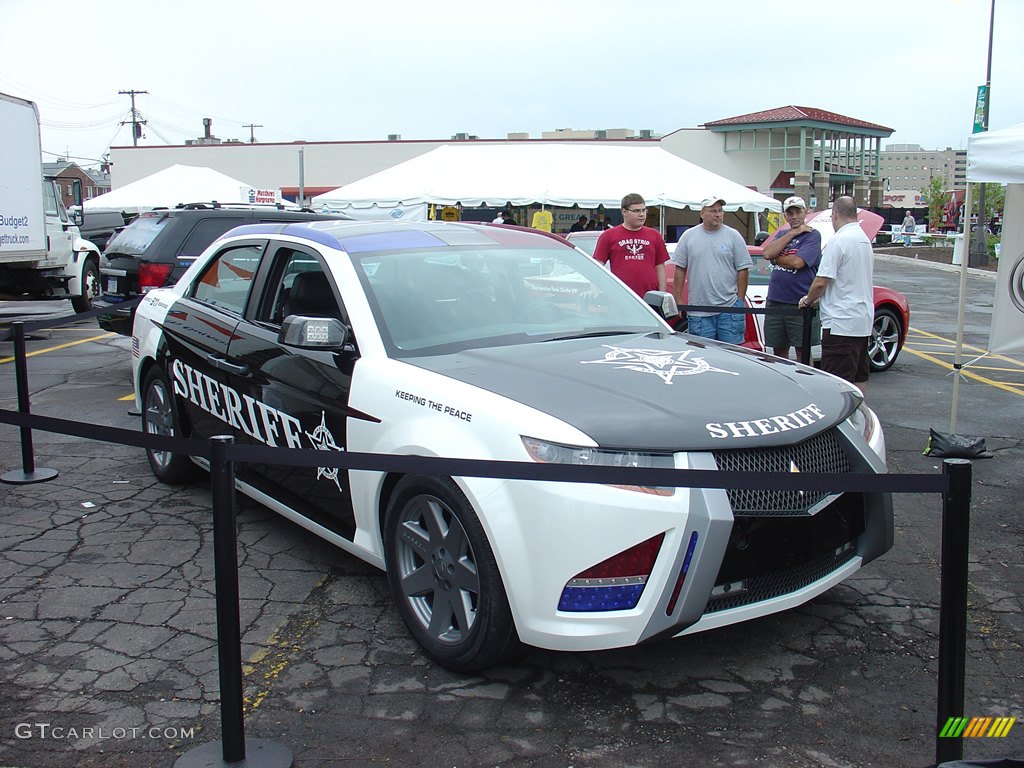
661,221
960,307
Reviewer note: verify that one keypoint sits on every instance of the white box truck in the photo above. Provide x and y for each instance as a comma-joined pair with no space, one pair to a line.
42,252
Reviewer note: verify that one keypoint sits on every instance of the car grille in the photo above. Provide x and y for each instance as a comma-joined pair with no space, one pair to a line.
821,453
768,585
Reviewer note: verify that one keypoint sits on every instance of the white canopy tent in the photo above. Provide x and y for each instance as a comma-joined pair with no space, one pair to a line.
180,184
997,157
560,174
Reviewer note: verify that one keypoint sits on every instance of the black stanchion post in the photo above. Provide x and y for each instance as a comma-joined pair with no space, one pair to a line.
805,338
229,632
956,514
29,472
234,748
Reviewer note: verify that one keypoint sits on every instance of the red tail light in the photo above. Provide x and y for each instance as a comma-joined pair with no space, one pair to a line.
153,275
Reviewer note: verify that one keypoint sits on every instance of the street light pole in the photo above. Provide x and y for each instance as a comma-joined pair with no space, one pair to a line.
978,256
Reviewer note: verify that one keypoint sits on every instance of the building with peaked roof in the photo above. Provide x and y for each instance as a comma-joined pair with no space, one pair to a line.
64,171
787,150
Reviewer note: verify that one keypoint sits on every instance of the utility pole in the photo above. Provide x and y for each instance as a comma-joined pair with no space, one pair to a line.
252,137
136,121
978,252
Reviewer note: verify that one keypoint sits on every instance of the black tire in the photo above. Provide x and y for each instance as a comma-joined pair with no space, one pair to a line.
886,338
160,417
444,578
90,287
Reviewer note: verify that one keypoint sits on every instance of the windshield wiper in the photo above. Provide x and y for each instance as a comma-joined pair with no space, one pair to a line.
595,334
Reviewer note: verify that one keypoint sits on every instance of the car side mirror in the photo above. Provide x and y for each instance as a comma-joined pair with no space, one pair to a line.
662,302
326,333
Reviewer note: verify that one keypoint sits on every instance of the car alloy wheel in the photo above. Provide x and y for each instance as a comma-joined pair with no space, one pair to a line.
884,344
444,578
160,417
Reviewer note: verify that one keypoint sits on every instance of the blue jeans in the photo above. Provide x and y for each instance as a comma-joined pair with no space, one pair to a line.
726,327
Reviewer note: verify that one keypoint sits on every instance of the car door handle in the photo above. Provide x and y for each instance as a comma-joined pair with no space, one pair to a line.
222,364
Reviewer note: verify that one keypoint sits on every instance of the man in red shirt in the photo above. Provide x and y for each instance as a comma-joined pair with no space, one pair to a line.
636,254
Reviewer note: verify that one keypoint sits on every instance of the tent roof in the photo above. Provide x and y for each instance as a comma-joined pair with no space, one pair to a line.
551,174
168,188
997,156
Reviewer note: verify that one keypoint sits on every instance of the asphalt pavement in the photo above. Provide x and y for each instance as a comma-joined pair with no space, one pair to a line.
108,631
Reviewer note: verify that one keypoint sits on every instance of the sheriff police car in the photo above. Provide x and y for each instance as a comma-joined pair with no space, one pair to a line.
490,342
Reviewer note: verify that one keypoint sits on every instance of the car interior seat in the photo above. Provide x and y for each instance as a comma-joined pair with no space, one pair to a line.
311,295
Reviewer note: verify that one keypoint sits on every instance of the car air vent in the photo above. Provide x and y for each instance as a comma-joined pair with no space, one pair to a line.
821,453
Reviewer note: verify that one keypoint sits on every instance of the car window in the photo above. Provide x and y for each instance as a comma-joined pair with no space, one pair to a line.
478,297
134,239
585,242
297,285
226,280
205,232
761,271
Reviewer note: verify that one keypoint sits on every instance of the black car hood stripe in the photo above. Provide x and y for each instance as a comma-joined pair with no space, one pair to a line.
661,392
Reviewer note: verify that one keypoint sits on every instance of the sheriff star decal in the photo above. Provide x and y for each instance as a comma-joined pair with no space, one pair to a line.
665,365
323,440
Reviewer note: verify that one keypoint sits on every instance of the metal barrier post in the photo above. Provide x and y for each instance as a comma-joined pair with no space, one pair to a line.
234,748
956,512
29,472
805,338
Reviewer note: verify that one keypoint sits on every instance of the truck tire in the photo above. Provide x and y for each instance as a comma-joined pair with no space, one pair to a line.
90,286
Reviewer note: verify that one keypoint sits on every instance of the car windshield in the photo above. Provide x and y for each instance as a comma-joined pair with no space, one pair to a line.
439,301
134,239
586,242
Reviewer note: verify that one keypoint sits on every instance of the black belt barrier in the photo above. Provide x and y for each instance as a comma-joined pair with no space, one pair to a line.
954,484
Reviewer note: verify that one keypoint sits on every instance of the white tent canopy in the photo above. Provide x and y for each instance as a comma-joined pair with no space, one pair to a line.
998,157
179,184
550,174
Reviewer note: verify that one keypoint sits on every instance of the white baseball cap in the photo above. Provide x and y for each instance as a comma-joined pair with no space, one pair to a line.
707,202
794,202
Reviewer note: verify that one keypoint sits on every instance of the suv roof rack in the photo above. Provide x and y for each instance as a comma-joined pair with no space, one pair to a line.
213,204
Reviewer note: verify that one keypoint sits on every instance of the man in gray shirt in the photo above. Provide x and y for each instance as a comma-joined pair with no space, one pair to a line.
714,259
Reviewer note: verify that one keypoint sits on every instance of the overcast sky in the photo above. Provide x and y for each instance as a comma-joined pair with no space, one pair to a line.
344,70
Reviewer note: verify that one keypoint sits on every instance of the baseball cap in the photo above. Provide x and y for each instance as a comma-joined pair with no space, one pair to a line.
794,202
707,202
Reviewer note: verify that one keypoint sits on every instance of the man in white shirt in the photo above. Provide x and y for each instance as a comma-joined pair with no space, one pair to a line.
844,288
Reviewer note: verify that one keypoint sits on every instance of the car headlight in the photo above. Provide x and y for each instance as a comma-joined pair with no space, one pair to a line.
544,452
863,421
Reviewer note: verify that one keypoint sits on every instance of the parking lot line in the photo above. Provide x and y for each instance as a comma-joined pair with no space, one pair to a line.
59,346
1012,366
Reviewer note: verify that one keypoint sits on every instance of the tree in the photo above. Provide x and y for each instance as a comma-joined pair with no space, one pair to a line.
935,198
995,201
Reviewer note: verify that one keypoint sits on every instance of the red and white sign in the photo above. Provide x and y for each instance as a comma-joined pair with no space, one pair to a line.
255,196
904,198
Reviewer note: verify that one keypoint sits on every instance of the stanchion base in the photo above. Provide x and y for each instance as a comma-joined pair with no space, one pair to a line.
21,477
259,753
